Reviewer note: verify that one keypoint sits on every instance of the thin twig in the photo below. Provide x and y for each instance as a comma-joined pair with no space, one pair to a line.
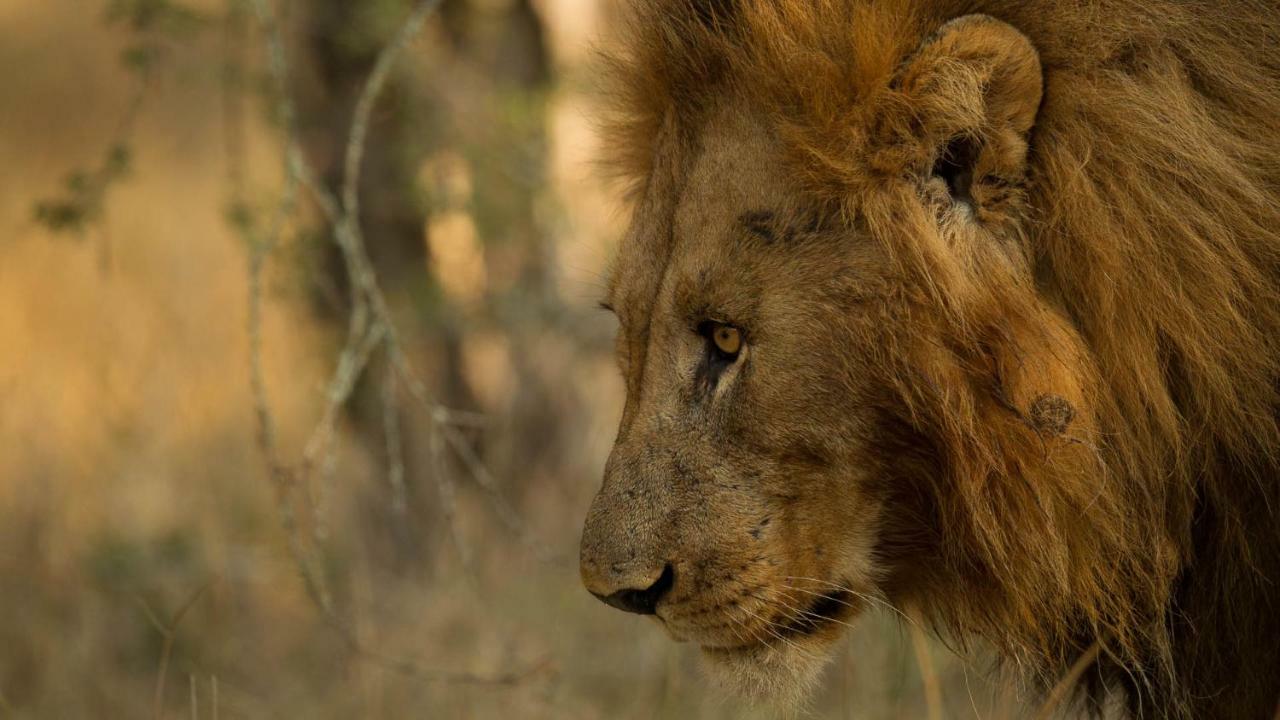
284,480
928,673
195,702
367,296
233,72
395,451
1068,682
486,481
448,498
278,64
370,328
351,364
369,98
169,631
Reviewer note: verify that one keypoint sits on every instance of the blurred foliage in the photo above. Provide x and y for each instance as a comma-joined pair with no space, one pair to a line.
153,15
368,25
154,28
117,562
81,201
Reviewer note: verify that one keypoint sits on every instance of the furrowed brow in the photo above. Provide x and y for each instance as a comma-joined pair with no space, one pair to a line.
760,224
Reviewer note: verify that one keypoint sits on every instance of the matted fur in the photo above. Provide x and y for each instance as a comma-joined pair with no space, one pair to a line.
1150,219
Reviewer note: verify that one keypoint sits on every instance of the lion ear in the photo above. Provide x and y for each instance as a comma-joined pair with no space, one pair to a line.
972,91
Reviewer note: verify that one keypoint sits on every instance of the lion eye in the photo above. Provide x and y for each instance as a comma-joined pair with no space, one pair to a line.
728,340
723,348
725,339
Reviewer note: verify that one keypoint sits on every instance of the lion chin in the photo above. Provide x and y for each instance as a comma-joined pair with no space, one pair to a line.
780,676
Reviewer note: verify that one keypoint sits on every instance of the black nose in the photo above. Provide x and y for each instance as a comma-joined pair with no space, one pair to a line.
642,602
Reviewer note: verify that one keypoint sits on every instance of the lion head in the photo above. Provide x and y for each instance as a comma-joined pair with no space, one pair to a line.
864,363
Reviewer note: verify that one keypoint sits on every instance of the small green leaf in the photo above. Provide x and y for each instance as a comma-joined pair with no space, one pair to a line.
119,160
240,217
61,216
78,183
140,58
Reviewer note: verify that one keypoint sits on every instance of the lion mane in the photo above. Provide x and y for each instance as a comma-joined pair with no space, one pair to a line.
1152,222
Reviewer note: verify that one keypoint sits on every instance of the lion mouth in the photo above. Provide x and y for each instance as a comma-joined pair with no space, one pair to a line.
826,610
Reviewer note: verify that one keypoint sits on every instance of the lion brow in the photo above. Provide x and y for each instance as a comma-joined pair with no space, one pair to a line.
760,223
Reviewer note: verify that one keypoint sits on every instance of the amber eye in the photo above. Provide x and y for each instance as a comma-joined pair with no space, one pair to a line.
727,339
723,349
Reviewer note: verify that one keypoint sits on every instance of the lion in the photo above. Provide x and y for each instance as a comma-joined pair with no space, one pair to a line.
966,308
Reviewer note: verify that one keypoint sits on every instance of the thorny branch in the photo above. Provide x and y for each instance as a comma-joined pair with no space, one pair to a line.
370,330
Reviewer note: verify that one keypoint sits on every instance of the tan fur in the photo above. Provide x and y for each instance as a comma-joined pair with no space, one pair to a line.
1047,416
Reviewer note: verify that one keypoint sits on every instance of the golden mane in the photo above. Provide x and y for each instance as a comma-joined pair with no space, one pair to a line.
1154,202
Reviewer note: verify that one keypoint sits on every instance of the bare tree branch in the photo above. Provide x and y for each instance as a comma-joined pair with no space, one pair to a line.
368,99
449,499
370,328
395,451
261,246
169,632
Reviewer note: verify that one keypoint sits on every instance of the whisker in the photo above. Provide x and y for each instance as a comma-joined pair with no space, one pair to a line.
769,626
864,596
754,639
750,640
815,616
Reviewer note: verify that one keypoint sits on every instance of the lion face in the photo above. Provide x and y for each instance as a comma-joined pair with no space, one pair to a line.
734,504
800,378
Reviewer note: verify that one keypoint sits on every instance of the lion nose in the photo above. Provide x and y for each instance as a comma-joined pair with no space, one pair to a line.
642,601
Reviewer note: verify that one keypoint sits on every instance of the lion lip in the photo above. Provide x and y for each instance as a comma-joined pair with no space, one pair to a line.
826,610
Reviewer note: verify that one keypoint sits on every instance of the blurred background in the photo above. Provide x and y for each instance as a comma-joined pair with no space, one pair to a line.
236,480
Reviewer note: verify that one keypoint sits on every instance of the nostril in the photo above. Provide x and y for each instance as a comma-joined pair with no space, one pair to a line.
642,602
